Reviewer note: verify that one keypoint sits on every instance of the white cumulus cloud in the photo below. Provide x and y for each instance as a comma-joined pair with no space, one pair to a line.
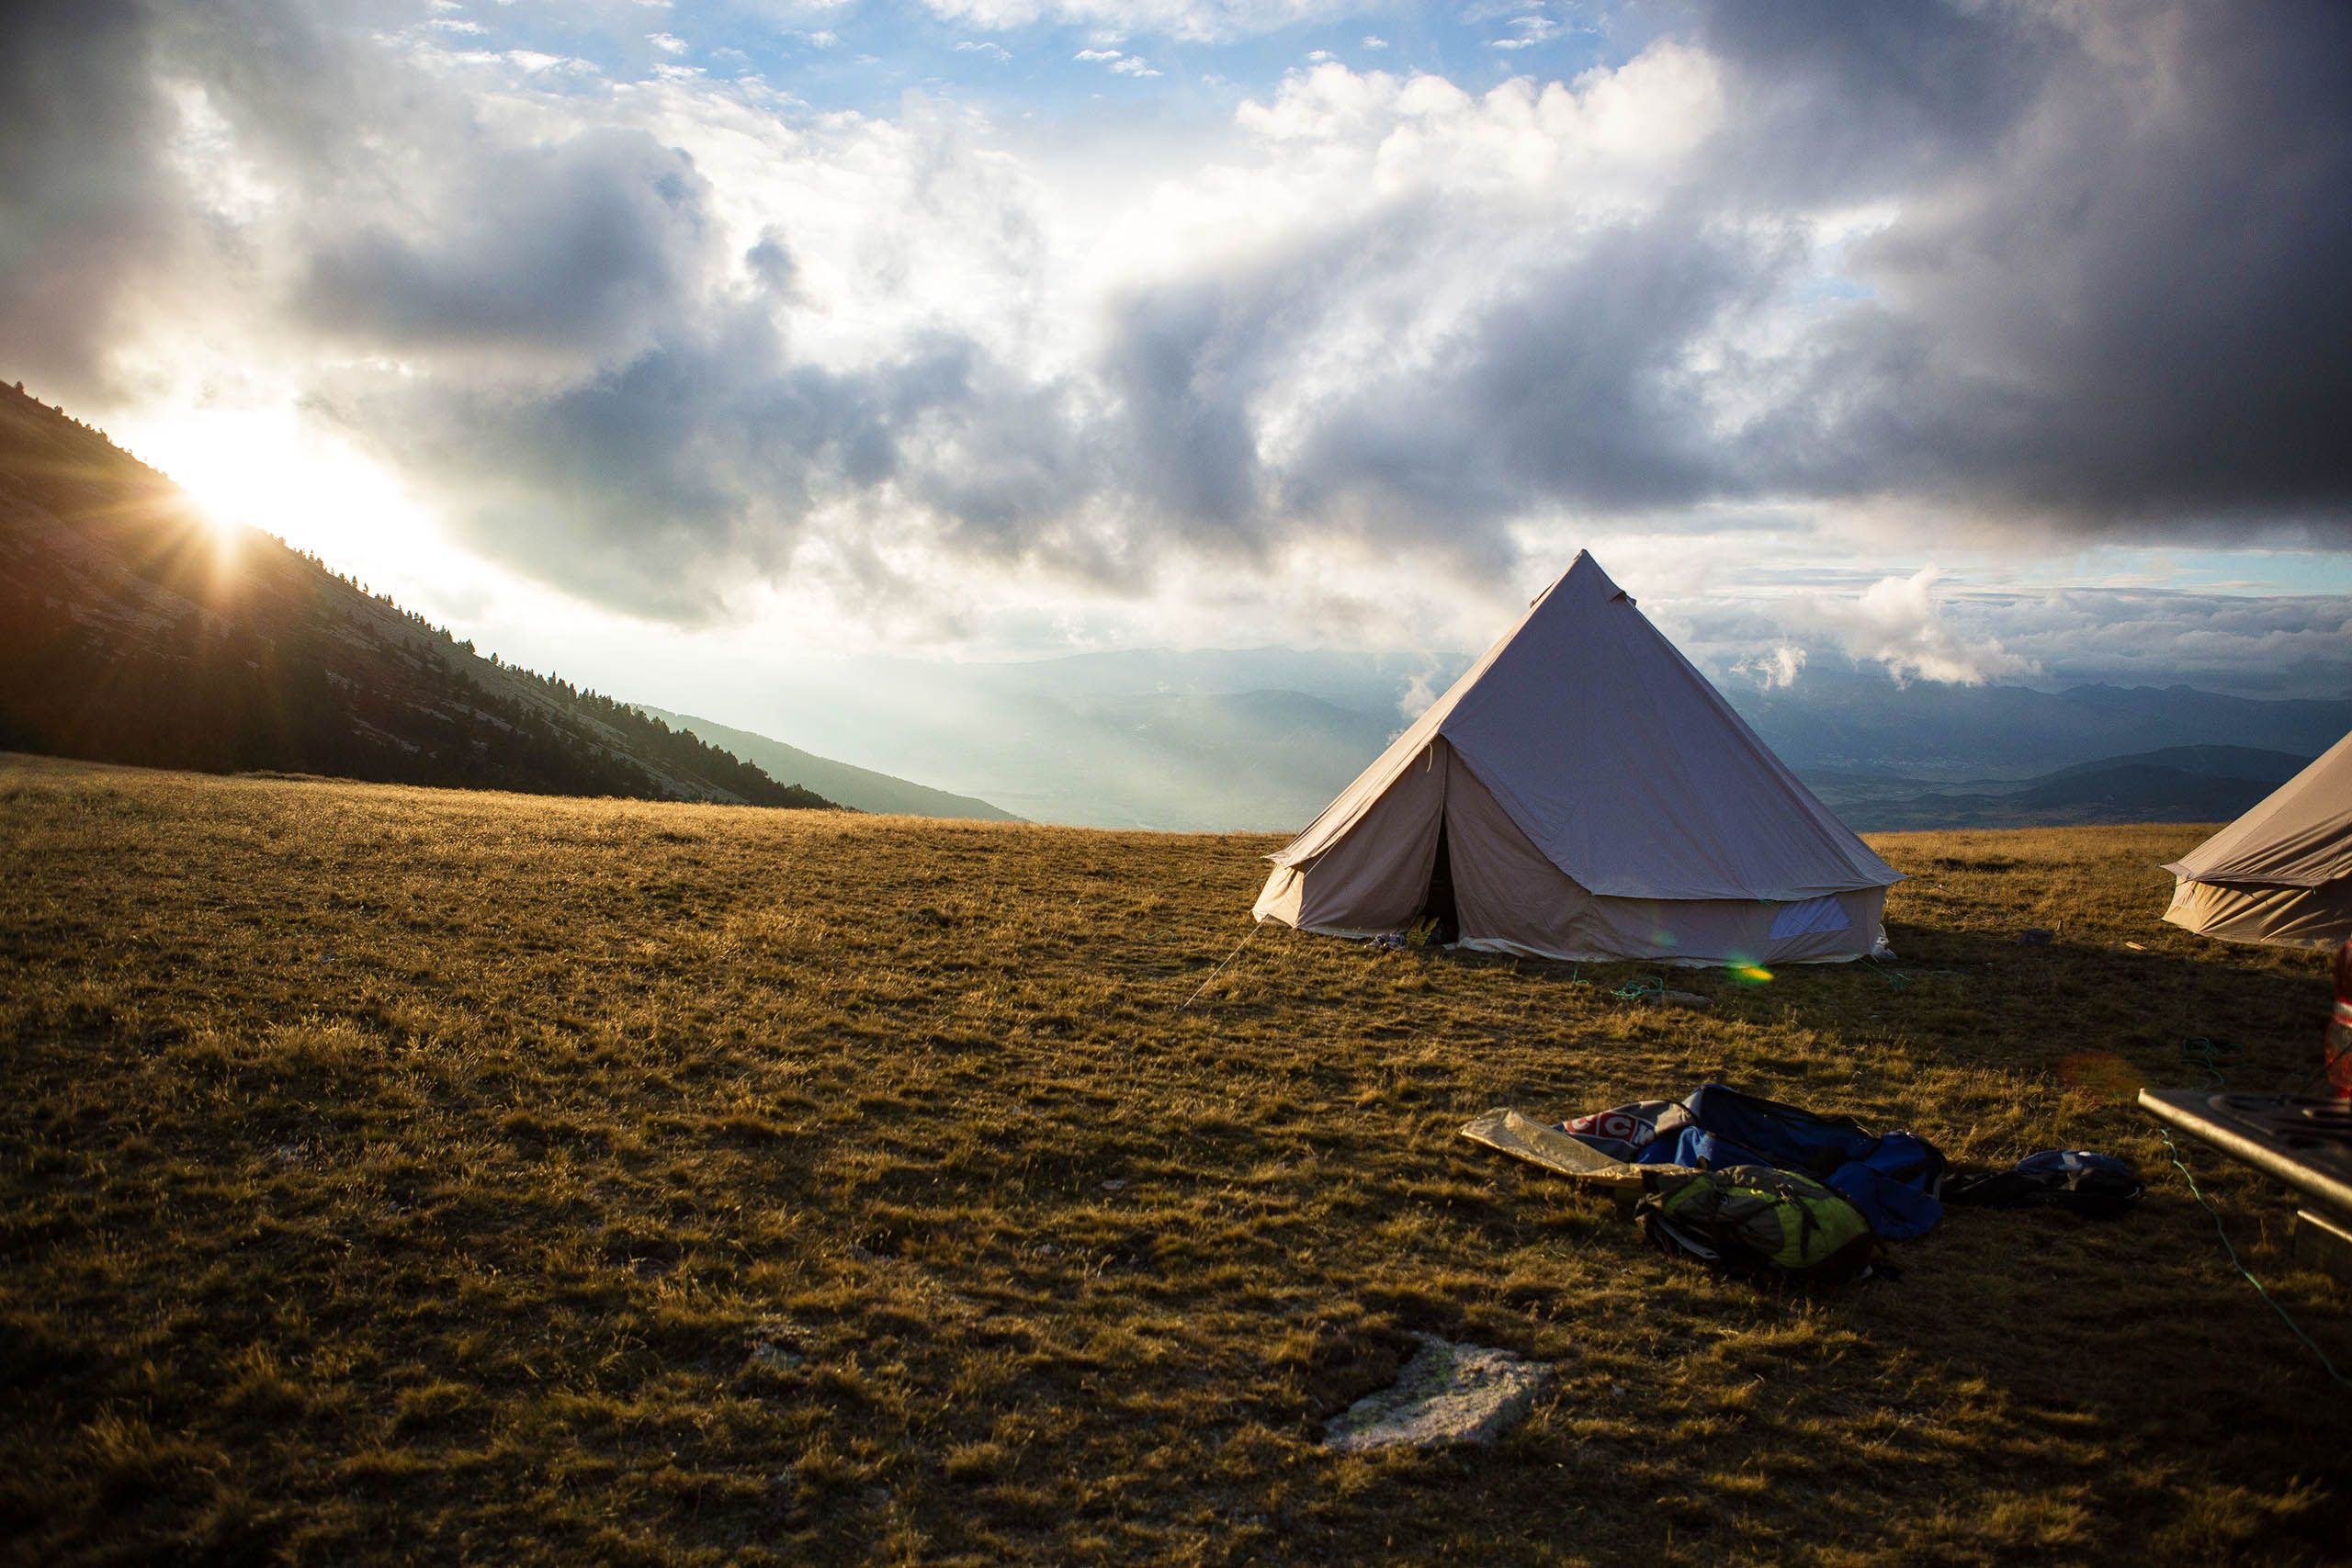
1898,622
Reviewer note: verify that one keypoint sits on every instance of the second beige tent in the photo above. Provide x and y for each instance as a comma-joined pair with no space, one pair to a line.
2282,873
1584,793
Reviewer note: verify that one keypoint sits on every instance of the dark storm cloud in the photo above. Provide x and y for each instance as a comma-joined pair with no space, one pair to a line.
1834,99
83,208
575,246
1572,387
695,456
1575,388
772,263
1002,461
1184,362
659,485
98,221
2125,305
312,88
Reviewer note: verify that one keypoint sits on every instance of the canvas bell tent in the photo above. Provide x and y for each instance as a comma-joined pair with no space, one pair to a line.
2282,873
1584,793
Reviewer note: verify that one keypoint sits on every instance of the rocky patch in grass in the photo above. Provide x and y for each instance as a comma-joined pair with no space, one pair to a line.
1447,1395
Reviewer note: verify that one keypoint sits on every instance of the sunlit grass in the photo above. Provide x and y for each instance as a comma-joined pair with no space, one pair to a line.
395,1173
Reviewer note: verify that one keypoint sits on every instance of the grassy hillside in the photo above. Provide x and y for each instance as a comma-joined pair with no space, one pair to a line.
862,789
393,1173
133,630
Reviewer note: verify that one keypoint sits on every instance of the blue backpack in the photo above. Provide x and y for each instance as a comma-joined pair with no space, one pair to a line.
1894,1180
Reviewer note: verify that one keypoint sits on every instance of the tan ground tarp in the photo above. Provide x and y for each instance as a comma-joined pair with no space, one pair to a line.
1597,799
1539,1143
2282,873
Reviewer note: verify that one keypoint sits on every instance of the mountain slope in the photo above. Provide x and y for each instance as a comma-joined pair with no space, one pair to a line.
132,630
859,788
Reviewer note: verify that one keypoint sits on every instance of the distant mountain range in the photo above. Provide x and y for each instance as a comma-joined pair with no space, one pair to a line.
131,630
2177,784
859,788
1262,739
1859,718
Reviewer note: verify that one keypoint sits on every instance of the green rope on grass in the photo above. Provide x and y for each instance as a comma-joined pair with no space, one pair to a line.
1634,990
2218,1230
2211,1057
2215,1059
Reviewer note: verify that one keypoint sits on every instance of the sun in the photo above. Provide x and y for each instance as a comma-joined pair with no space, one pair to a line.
222,529
270,468
226,539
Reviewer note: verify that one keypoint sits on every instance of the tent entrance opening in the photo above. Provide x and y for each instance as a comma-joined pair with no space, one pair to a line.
1438,905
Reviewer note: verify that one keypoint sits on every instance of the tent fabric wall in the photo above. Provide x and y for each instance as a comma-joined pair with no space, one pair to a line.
2282,873
1511,899
1373,880
1503,888
2284,917
1629,772
1599,800
1695,932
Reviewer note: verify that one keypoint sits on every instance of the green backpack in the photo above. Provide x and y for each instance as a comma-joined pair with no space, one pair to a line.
1751,1219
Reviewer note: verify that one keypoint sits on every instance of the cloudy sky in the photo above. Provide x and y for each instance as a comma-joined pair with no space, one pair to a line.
643,340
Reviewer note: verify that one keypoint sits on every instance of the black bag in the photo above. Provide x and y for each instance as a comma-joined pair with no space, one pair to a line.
2098,1187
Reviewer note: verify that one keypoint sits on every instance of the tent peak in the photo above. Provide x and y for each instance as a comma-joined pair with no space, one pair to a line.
1585,575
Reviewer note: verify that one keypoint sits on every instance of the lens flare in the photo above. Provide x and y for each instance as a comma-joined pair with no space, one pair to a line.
2101,1074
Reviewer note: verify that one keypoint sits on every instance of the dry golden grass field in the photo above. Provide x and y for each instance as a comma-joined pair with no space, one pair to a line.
397,1175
